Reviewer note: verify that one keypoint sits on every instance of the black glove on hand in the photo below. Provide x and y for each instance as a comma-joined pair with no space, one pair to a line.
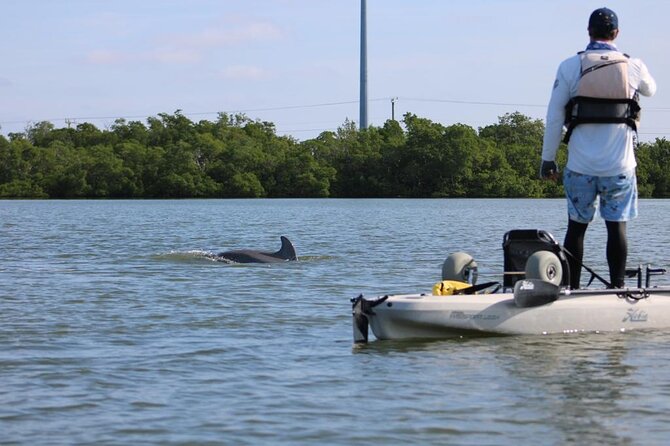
549,169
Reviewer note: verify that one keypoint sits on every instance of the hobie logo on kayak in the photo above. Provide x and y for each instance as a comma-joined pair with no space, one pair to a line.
527,285
636,316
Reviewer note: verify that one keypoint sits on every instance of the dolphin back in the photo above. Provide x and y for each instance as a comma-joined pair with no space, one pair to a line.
286,252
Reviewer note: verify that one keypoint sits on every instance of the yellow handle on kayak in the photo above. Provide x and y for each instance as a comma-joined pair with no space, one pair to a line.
448,287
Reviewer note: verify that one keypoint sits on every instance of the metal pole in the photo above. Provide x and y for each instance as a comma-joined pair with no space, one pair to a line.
393,108
363,121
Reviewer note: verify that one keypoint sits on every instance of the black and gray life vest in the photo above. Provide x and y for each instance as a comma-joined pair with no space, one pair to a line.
603,93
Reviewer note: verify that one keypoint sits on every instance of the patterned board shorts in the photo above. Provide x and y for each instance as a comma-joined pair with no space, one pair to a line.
618,196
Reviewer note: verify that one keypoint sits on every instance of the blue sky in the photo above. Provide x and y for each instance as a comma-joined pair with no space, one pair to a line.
296,62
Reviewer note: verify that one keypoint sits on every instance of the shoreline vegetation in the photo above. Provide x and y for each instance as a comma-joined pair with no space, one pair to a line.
171,156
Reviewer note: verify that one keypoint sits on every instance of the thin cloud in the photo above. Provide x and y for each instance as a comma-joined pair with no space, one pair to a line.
244,72
190,48
173,56
228,36
107,22
163,56
107,57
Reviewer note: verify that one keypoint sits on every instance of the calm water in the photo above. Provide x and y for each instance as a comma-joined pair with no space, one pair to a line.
115,328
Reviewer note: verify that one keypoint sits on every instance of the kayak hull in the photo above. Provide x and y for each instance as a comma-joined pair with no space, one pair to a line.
429,316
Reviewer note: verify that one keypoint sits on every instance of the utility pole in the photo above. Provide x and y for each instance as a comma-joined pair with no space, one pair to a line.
363,121
393,108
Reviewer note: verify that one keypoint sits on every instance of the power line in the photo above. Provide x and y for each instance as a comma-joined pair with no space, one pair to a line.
248,110
454,101
303,106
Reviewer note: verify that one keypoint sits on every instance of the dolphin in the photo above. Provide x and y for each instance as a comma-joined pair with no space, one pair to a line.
285,253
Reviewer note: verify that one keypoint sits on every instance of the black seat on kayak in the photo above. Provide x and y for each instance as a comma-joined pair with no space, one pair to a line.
520,244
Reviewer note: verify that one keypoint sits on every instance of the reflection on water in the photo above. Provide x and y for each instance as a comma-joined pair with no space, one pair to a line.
581,382
574,389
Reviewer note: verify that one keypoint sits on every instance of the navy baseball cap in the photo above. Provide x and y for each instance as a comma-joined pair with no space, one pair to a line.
603,19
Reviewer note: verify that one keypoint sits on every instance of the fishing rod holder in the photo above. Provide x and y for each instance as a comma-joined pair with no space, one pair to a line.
649,271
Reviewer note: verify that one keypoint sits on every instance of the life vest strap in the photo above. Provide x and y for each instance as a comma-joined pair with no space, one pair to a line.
590,110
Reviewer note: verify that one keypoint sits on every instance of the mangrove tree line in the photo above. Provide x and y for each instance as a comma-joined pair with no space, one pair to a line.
171,156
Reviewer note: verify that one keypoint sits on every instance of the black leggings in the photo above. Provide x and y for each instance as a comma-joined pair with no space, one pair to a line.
617,251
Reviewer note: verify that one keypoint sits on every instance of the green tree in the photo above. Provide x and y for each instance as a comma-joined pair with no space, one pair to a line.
87,135
356,157
142,168
133,131
106,176
652,171
180,175
298,174
519,139
436,160
40,133
66,175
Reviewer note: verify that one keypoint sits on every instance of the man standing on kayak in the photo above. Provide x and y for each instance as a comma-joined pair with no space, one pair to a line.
595,96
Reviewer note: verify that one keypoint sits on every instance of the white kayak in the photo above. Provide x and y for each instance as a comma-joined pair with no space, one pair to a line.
430,316
536,299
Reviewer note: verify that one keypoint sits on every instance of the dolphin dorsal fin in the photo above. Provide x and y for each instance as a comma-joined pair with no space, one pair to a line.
287,251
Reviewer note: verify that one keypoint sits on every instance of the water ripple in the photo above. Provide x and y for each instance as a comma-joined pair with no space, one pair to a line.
116,328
